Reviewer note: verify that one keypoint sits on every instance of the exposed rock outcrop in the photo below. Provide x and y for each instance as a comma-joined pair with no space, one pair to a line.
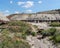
3,19
46,15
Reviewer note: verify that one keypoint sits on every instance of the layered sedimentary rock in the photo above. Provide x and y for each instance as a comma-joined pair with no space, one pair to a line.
46,15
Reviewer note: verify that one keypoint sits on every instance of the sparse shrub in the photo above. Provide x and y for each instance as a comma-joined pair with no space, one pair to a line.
15,42
19,26
48,32
33,33
55,24
56,37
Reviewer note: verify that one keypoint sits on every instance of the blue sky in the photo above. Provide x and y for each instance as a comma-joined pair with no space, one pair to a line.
28,6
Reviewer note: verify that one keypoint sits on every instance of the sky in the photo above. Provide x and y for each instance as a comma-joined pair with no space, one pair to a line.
28,6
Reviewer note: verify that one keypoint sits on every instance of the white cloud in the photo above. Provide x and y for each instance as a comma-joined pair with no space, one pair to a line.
6,14
26,4
11,2
20,3
6,11
17,12
39,2
28,11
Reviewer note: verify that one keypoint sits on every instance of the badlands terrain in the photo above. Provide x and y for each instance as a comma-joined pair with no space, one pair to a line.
36,30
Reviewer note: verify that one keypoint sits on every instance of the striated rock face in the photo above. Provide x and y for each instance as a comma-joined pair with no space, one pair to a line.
46,15
18,17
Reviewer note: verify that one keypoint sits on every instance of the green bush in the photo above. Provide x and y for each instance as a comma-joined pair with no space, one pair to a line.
33,33
17,23
23,35
56,37
19,26
55,24
48,32
15,42
14,29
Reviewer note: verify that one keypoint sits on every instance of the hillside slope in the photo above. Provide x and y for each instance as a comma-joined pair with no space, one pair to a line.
46,15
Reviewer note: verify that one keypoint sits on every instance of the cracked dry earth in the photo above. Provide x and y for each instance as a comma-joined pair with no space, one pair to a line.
42,43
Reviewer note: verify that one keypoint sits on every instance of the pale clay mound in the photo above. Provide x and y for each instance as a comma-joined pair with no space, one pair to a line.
3,18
